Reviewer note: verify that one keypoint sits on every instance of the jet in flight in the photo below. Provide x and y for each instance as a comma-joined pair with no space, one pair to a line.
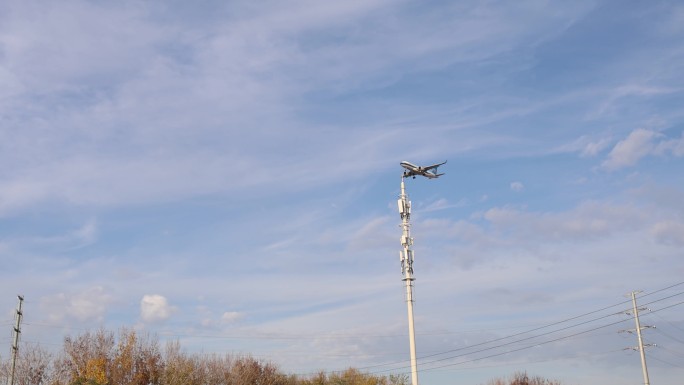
412,170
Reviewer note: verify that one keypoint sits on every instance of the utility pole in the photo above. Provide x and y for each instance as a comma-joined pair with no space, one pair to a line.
15,343
406,258
638,329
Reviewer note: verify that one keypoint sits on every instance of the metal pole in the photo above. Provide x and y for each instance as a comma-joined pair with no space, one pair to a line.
15,343
641,342
406,257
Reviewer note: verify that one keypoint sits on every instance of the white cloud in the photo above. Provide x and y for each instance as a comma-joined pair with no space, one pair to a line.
231,316
373,233
87,234
80,237
69,240
208,320
669,232
629,151
155,308
586,145
589,220
170,86
631,90
639,144
672,146
199,115
85,305
593,148
18,193
517,186
442,204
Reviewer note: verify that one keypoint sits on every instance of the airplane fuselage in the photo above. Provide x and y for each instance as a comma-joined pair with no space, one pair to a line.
409,166
412,170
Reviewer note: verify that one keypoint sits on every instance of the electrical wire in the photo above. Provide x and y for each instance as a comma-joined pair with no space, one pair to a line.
510,336
659,331
663,289
537,344
674,352
278,336
405,366
661,299
513,350
518,341
518,334
506,344
565,357
560,322
652,357
668,322
543,343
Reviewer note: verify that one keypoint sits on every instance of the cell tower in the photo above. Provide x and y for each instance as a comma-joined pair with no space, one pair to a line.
406,258
406,253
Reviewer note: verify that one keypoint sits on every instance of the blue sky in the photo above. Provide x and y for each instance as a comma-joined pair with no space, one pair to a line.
226,174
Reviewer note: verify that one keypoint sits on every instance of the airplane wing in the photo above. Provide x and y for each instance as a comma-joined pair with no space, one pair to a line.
428,168
432,176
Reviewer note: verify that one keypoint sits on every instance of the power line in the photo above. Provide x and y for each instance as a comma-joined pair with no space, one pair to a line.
663,289
533,330
669,323
661,299
560,322
541,343
277,336
495,347
529,331
674,352
284,336
527,347
432,362
667,307
565,357
665,362
658,330
511,336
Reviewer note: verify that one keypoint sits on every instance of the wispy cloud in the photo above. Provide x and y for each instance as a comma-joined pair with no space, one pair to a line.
175,146
670,232
88,304
592,149
639,144
155,86
517,186
633,90
627,152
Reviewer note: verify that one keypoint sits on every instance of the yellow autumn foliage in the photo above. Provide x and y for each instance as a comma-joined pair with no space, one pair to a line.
96,369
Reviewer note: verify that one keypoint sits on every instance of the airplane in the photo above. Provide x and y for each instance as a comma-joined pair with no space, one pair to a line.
412,170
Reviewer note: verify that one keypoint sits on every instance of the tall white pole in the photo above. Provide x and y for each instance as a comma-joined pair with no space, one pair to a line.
641,342
406,257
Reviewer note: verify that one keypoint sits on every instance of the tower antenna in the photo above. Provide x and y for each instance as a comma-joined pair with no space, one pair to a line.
406,258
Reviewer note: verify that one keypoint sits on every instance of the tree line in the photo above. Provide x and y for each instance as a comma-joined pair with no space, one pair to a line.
131,358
